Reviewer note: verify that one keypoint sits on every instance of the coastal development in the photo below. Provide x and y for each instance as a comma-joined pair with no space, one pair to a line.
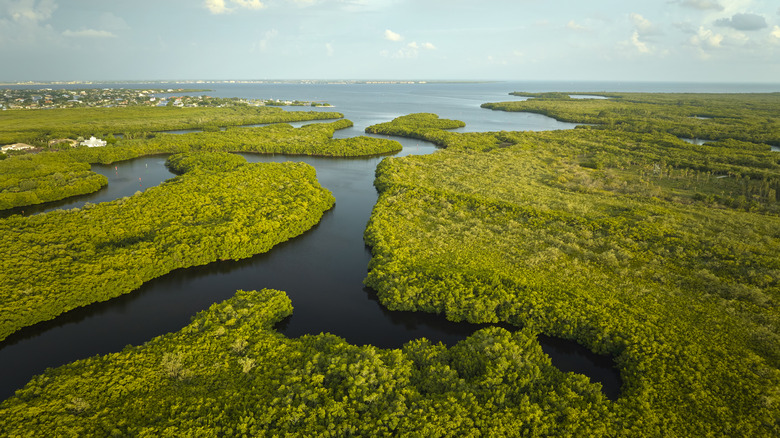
49,98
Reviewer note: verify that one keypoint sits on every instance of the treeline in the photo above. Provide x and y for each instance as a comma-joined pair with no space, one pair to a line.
57,261
429,127
747,117
422,126
38,127
207,161
38,178
618,256
728,173
313,139
229,373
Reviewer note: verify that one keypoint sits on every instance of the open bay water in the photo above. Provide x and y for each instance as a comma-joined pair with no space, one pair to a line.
321,270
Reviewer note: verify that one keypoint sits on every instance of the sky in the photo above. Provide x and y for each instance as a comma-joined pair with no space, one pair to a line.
735,41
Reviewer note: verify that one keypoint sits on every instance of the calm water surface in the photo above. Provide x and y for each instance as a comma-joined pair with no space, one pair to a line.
322,271
124,179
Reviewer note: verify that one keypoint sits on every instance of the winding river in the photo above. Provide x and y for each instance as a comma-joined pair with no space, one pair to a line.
322,272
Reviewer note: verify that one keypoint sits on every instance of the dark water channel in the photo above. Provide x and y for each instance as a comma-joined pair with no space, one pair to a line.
322,271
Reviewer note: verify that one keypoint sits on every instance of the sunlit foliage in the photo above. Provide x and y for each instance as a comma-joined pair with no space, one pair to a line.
213,161
656,251
57,175
54,262
743,116
229,373
37,178
39,126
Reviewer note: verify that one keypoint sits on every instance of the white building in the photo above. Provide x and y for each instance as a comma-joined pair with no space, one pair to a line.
93,142
16,147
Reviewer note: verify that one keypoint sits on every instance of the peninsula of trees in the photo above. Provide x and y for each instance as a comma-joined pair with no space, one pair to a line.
57,261
60,171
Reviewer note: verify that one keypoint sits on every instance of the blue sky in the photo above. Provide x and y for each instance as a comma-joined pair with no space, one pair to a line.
659,40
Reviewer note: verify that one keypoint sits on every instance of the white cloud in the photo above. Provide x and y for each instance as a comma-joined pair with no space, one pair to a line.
705,40
409,51
776,31
249,4
88,33
24,24
392,36
639,45
708,38
702,5
329,49
30,10
576,27
222,7
216,6
642,25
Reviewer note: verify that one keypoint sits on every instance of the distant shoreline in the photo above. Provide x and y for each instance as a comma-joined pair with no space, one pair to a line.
249,81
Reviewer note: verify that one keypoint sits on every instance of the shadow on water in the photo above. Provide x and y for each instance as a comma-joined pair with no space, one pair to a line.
321,270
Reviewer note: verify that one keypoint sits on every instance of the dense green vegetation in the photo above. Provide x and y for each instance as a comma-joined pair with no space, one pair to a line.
37,127
229,373
628,243
37,178
423,126
57,261
214,161
634,243
312,139
747,117
60,174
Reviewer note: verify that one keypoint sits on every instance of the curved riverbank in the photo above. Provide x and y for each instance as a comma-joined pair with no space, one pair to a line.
105,250
322,271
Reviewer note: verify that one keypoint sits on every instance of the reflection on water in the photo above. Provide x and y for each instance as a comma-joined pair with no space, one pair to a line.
587,96
125,178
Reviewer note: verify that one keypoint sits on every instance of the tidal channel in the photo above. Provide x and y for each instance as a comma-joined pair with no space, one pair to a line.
322,271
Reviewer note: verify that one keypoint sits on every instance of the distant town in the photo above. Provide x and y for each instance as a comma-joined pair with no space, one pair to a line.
241,81
48,98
